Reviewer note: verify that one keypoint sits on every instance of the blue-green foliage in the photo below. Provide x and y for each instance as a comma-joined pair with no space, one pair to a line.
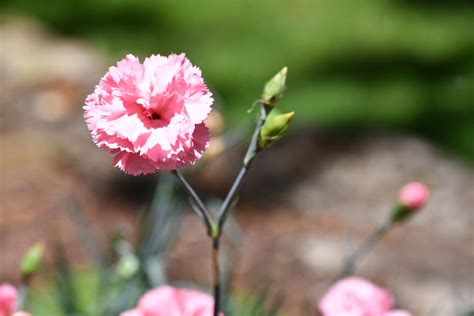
115,277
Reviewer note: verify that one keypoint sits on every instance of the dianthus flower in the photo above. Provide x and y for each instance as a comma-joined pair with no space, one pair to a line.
170,301
8,301
354,296
151,115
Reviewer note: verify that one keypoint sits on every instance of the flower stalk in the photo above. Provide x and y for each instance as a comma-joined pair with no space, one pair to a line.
216,277
411,198
365,247
161,125
196,203
272,94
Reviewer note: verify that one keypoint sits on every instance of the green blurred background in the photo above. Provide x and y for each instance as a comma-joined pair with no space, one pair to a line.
396,65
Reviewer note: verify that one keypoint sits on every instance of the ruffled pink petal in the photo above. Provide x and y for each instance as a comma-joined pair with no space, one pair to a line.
357,296
195,303
198,106
113,142
134,164
160,302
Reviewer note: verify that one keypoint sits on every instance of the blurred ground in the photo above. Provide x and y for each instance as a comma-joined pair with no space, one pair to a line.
305,202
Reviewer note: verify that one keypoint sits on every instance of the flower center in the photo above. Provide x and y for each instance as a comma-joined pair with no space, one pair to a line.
155,116
152,115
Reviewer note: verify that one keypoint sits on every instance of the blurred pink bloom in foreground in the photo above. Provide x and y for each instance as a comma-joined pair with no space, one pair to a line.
8,297
414,195
354,296
170,301
150,115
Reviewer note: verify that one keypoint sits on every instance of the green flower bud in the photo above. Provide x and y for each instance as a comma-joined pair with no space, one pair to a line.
127,266
273,90
274,128
31,261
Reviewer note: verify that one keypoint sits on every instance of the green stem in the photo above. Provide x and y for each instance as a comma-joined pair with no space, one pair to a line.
216,278
23,293
250,155
198,205
228,202
367,245
215,231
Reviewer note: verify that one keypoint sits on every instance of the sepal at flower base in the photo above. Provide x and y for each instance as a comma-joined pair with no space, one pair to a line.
274,128
31,261
400,213
273,90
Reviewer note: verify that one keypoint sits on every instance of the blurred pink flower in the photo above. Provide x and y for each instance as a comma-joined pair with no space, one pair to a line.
150,115
354,296
170,301
414,195
21,313
133,312
8,296
397,313
8,300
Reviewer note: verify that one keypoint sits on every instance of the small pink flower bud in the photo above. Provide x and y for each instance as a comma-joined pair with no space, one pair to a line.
414,195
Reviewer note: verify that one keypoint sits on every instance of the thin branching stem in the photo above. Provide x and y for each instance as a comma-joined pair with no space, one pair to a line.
252,152
23,293
229,203
364,248
216,275
198,205
215,231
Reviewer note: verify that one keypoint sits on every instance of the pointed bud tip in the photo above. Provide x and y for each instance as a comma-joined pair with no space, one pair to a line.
39,245
290,115
273,89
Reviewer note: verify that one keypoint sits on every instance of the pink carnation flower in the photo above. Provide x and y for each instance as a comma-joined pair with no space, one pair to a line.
357,297
8,296
8,301
170,301
150,115
414,195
